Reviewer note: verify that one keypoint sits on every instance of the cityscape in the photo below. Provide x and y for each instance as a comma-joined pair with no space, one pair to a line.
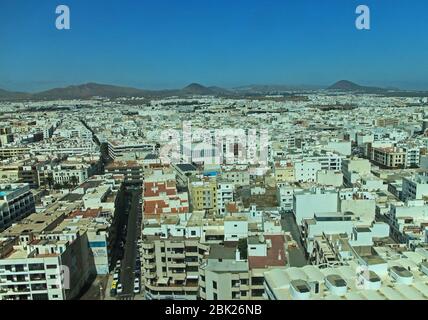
248,192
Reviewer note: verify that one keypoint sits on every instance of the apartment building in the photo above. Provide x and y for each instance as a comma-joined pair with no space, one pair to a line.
128,150
225,195
132,171
353,169
44,268
204,194
284,173
391,157
16,202
415,187
224,274
171,267
10,152
285,195
318,200
70,173
306,171
235,270
237,176
413,155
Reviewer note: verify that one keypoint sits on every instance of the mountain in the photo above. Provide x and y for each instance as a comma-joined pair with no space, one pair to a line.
89,90
10,95
198,89
345,85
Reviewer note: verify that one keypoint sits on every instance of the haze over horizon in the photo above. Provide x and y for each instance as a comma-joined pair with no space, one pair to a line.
168,44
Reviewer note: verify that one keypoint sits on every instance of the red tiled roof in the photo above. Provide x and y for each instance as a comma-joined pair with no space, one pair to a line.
273,254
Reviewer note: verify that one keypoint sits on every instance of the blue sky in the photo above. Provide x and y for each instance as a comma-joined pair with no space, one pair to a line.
171,43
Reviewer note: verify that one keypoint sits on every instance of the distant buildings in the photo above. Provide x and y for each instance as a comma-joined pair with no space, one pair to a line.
325,197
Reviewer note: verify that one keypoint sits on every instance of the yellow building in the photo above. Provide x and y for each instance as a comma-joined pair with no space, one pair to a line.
204,194
284,173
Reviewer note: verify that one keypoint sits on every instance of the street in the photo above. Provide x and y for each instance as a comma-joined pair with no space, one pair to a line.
127,275
296,256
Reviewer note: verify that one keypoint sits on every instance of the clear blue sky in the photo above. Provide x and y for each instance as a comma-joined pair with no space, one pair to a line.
171,43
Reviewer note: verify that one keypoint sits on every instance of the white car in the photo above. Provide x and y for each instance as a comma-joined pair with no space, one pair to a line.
116,276
136,282
136,288
119,288
118,264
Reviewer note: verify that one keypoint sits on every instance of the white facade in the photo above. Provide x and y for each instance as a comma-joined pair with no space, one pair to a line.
235,229
415,188
306,203
16,202
306,171
224,196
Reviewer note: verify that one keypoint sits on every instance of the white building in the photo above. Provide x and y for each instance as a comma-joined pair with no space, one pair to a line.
16,202
224,195
330,178
415,187
306,203
235,228
306,171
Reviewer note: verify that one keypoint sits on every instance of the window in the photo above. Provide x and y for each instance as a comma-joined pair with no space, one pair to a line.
51,266
215,286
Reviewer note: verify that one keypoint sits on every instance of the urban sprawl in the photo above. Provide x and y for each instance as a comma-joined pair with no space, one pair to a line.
308,196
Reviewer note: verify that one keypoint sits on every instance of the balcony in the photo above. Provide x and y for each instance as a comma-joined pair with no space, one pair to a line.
180,265
148,256
176,245
147,245
149,265
173,255
191,253
150,275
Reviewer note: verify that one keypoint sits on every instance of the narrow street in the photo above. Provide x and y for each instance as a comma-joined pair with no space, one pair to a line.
128,262
297,255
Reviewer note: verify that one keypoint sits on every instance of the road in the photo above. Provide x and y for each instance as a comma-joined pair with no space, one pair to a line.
296,256
121,220
128,262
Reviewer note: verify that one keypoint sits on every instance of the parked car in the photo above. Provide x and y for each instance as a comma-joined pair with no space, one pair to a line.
119,288
137,285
